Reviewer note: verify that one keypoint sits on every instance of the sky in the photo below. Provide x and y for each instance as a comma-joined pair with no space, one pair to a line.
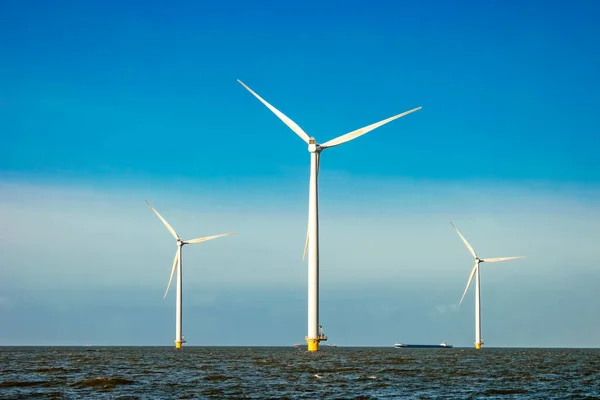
104,104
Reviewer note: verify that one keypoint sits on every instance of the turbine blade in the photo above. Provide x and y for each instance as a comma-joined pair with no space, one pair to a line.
465,240
359,132
308,225
468,283
305,246
291,124
204,239
489,260
172,272
163,221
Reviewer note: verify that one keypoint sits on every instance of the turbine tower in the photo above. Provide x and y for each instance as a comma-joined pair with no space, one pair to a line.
312,236
476,272
177,265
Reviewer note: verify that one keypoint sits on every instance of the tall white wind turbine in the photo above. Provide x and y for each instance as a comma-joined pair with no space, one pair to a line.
312,237
475,272
177,265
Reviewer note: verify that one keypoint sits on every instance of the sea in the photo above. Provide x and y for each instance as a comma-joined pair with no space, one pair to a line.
293,373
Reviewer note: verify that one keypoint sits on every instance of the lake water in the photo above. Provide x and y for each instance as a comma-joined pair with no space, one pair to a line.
280,373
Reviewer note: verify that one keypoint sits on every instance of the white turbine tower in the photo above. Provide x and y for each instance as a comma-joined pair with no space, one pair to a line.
177,265
312,237
475,271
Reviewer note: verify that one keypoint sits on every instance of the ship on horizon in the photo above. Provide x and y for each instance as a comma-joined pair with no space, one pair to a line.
442,345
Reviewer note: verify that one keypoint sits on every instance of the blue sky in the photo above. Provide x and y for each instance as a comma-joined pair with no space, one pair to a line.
104,104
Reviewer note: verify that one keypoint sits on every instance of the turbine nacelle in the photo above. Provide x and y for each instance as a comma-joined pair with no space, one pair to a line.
313,147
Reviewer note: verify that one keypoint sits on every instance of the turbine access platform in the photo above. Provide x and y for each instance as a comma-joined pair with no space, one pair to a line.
313,344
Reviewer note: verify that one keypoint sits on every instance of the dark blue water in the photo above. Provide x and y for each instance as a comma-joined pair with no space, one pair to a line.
290,373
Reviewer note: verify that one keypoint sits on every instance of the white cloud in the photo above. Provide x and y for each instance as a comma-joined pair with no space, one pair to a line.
72,234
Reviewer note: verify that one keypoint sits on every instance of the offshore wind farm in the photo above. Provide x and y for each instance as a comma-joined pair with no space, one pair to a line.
105,104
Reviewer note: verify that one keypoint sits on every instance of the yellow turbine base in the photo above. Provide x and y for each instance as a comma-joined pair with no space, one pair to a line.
313,344
178,344
478,346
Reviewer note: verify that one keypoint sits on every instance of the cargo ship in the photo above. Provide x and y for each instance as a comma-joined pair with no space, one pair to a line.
442,345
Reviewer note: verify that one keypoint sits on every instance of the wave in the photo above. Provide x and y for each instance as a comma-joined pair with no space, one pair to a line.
104,383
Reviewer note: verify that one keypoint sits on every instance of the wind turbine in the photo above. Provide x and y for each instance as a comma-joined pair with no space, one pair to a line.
312,236
177,265
475,271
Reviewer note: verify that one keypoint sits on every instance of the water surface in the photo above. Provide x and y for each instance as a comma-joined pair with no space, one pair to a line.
280,373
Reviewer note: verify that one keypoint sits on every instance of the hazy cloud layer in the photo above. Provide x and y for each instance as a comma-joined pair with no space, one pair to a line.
83,264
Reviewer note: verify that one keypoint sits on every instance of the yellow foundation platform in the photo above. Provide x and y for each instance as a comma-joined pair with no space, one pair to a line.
478,346
313,344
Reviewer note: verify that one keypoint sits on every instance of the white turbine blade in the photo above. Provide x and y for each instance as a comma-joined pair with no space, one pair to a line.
359,132
307,236
308,225
204,239
468,283
489,260
293,126
172,272
305,246
163,221
465,240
